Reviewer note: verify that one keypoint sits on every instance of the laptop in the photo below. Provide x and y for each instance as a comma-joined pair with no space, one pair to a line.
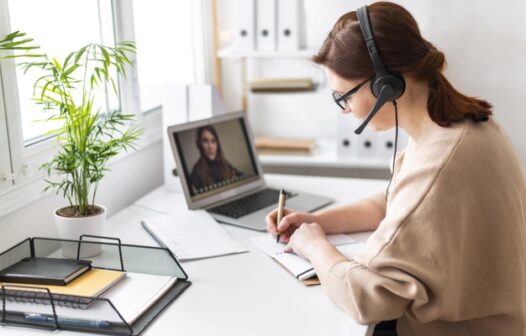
220,172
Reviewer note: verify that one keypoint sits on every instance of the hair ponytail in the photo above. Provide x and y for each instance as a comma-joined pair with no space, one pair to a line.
403,50
446,105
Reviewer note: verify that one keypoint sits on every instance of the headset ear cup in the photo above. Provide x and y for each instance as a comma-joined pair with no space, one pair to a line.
395,80
399,84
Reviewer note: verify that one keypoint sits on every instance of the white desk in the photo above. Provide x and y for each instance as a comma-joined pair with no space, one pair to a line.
244,294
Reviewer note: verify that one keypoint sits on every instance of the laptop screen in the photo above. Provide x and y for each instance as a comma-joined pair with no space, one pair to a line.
216,157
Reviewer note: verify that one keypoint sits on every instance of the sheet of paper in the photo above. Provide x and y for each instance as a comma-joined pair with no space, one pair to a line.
131,296
138,292
299,266
192,235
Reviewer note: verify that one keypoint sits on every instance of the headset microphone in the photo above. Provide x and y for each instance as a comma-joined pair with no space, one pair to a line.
383,98
386,86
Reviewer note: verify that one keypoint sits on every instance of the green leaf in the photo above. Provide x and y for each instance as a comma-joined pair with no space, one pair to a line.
106,56
24,55
70,70
57,64
87,139
81,52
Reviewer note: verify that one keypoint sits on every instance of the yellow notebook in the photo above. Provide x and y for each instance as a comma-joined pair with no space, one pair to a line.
91,284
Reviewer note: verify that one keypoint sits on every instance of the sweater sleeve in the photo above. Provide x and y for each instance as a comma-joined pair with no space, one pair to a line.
370,297
378,199
387,280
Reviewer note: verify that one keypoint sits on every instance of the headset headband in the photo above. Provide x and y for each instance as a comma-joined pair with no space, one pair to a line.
385,86
363,19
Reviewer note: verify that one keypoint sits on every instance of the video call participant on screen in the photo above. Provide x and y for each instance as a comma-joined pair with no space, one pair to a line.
448,252
211,169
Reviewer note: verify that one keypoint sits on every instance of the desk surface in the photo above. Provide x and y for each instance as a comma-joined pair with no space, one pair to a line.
244,294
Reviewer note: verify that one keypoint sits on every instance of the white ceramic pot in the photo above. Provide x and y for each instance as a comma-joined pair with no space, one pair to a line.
73,227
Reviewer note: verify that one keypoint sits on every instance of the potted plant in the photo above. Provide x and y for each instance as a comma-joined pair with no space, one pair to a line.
87,136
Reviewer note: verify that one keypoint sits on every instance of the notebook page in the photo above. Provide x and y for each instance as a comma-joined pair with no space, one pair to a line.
137,293
299,266
192,235
294,263
351,249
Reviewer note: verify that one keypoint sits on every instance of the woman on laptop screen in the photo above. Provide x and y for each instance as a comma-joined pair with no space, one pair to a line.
211,170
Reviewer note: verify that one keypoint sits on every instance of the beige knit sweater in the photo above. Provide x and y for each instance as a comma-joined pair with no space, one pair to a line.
449,258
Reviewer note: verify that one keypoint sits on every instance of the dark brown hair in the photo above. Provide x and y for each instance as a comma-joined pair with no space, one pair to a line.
201,168
402,49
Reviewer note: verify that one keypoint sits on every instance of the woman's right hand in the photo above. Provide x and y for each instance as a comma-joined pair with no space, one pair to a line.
289,223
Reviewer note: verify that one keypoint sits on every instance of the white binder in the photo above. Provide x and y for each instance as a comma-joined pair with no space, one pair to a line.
345,141
266,25
366,143
245,30
386,140
288,34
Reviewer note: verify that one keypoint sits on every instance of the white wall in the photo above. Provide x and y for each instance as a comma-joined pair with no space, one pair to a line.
484,43
131,177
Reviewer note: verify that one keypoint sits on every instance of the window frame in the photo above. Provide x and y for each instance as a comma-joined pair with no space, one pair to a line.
23,182
5,155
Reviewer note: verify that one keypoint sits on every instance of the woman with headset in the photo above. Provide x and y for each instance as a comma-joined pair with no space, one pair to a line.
448,251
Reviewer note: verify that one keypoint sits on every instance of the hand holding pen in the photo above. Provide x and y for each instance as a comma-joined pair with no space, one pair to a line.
288,223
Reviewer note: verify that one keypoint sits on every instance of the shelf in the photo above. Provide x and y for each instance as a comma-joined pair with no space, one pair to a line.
231,53
324,156
270,93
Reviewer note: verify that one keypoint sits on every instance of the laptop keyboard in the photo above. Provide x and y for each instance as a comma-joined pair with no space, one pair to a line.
249,204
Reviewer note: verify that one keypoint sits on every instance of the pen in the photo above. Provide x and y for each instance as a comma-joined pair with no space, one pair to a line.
281,205
67,321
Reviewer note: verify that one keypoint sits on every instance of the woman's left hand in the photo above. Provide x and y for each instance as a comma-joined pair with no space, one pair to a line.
307,236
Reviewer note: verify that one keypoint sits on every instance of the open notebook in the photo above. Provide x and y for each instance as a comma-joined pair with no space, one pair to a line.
300,267
192,235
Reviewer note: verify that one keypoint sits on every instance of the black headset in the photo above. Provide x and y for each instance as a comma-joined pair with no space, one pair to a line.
386,86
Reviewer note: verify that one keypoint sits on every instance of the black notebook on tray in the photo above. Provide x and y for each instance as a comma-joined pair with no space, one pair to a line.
45,271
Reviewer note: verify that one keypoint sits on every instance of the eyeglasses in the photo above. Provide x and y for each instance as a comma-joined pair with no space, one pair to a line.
341,100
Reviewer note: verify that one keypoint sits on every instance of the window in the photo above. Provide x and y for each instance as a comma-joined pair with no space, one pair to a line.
5,166
58,26
165,52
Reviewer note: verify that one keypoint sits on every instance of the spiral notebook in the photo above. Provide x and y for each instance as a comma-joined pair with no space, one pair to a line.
131,296
78,293
300,267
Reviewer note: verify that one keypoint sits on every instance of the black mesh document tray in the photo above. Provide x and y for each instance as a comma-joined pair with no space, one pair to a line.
34,307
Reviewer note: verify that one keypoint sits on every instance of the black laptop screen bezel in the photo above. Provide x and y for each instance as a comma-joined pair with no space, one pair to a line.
218,195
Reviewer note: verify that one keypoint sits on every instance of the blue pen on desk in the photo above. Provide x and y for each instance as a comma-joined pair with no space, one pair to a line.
67,321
